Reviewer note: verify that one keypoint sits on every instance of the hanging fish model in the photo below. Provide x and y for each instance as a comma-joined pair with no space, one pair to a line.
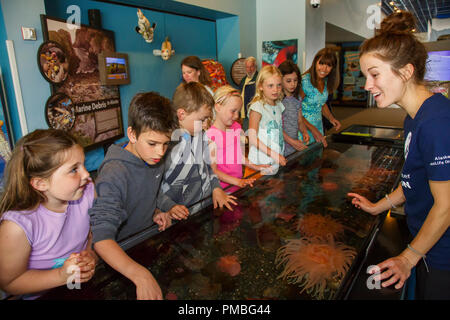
166,50
144,27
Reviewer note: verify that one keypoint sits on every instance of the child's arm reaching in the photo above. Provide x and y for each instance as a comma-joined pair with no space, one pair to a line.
146,286
254,120
220,198
302,128
297,144
256,167
222,175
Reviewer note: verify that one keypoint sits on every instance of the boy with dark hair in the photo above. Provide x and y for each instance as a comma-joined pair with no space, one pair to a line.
127,188
188,176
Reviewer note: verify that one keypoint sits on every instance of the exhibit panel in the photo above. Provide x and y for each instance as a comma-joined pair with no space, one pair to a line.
294,235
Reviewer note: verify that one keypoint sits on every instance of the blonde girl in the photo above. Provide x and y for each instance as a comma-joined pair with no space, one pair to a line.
225,136
44,222
265,119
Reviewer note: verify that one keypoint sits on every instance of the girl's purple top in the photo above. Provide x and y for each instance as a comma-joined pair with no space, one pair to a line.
53,236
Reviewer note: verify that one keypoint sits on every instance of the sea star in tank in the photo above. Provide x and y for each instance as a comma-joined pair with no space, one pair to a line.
317,225
314,264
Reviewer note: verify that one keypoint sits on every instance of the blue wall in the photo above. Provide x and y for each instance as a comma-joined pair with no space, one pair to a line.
189,36
35,90
4,66
228,43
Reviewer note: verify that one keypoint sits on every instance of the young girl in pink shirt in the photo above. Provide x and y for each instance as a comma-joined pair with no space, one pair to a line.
44,221
225,136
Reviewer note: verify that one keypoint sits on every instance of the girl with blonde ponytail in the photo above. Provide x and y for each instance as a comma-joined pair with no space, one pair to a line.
44,221
227,156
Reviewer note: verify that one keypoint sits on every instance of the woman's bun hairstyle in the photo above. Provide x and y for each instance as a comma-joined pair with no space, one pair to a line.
402,22
396,44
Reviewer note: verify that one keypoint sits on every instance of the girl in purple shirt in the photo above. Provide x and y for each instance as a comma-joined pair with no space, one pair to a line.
44,221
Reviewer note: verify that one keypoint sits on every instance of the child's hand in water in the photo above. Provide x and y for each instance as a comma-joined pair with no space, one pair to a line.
246,182
220,198
162,219
179,212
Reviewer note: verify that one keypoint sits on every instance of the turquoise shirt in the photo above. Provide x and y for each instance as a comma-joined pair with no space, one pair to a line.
312,104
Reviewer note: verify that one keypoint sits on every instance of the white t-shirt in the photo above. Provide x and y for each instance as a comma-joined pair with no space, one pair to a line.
270,131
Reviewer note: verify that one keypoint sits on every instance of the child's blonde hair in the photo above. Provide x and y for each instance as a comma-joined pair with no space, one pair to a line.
38,154
221,96
223,93
265,73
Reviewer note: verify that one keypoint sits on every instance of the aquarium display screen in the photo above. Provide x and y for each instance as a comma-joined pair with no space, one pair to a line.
116,68
438,66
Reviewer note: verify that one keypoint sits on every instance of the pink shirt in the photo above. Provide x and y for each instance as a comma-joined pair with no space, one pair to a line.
228,152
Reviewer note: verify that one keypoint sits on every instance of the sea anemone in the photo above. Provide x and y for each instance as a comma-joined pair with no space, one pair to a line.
317,225
312,263
329,186
229,265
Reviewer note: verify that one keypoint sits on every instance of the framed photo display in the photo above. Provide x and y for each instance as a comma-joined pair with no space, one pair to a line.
80,104
59,112
52,62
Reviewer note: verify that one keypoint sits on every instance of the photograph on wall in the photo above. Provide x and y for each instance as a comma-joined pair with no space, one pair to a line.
90,101
437,76
52,62
59,112
275,52
353,79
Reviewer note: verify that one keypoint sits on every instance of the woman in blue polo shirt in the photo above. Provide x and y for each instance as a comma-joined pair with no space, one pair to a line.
394,64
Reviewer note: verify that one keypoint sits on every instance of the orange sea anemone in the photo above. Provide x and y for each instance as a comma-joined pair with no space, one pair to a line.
329,186
312,263
229,265
317,225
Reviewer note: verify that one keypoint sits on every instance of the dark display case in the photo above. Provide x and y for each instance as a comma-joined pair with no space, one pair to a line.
372,135
294,235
